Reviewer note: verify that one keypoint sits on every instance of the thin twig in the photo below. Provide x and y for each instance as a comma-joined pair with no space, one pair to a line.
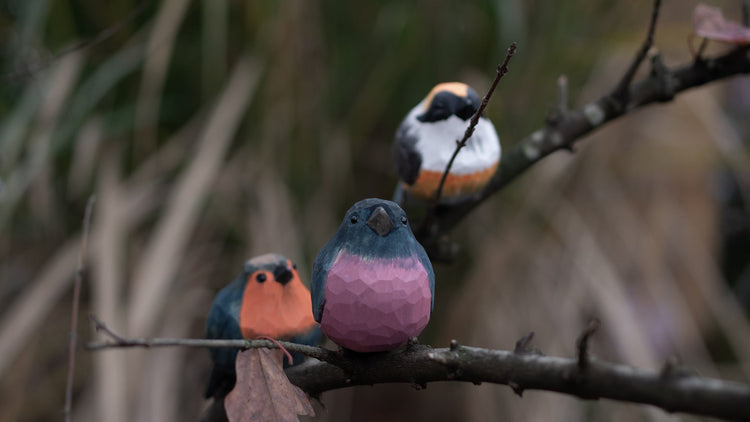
697,54
621,92
523,344
118,341
502,69
100,326
74,313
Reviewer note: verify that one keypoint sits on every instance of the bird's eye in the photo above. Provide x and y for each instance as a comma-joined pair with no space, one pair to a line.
294,266
260,277
404,220
354,219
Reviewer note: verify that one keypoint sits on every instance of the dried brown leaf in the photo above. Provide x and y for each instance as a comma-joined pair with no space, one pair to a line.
708,22
263,392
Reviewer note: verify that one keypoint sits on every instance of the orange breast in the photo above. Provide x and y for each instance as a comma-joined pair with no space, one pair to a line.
274,310
456,185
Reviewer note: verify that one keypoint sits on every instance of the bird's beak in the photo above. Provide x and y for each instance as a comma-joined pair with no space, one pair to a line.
282,274
380,222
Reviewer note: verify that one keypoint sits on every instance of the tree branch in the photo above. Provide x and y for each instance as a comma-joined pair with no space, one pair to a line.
661,85
522,369
563,128
422,364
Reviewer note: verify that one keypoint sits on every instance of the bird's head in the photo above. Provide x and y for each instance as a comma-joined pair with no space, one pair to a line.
449,99
375,227
275,302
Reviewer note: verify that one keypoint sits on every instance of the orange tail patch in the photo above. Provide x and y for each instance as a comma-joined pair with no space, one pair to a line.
455,185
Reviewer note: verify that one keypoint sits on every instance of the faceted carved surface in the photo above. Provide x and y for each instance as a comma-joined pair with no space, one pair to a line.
375,304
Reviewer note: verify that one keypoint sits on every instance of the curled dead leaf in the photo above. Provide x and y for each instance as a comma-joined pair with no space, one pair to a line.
263,392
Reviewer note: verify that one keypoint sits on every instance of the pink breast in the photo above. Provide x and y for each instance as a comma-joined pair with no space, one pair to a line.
375,305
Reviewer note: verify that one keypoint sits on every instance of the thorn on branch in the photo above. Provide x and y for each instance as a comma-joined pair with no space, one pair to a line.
413,341
562,94
664,78
621,93
453,345
557,114
673,368
523,345
516,388
583,343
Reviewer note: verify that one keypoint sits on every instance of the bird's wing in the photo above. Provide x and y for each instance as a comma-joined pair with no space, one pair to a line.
405,155
309,338
221,324
322,264
318,282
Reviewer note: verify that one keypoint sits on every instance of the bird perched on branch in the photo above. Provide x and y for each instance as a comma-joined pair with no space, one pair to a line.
426,140
267,299
372,284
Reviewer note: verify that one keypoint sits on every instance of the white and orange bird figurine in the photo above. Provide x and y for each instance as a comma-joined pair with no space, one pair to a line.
426,140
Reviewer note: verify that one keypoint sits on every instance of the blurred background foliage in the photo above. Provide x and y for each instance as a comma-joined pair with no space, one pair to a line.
211,131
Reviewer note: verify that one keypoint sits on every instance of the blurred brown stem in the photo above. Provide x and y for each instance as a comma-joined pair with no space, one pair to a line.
74,312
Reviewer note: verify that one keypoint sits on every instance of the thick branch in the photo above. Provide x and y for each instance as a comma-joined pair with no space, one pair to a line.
659,86
421,364
522,369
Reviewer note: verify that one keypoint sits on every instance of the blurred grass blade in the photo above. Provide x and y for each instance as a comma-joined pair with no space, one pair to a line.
22,319
214,45
101,83
57,89
159,51
154,275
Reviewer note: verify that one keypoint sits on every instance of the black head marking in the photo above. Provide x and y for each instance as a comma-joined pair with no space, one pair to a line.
447,103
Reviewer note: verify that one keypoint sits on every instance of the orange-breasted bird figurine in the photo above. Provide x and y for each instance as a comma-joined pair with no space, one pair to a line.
426,140
267,299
